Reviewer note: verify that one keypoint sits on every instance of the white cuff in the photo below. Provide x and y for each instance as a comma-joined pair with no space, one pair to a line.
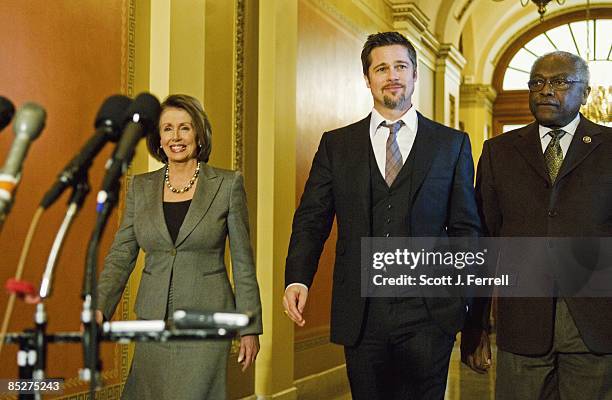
296,284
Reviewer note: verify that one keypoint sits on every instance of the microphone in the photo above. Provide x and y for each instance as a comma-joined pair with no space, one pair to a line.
7,109
155,325
29,122
141,116
184,319
108,124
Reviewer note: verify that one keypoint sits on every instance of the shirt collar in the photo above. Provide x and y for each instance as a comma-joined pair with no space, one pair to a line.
569,129
409,118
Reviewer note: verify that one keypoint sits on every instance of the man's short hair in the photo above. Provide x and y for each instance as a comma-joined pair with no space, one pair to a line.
580,65
381,39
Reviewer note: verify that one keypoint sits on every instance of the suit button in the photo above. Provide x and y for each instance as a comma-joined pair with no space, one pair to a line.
553,213
386,235
388,220
173,252
388,206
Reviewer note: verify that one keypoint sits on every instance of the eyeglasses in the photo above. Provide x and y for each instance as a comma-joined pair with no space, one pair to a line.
536,85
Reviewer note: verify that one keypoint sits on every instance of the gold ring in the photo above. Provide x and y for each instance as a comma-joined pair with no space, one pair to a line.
286,312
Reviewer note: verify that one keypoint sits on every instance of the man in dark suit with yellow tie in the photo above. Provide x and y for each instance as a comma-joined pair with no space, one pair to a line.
395,173
552,178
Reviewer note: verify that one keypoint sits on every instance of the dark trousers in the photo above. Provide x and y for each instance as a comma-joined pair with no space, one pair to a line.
567,372
402,354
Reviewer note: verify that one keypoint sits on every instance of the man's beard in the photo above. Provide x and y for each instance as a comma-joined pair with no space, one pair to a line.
394,104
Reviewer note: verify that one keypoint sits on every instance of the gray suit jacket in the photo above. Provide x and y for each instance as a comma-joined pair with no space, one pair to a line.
196,261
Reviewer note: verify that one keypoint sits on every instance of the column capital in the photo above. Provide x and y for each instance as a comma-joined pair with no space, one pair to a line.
410,20
448,53
477,93
407,11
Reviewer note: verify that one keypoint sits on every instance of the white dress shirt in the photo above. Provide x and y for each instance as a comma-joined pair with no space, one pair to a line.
405,136
570,130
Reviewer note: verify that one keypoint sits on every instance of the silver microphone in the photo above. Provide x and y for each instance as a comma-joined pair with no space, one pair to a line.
27,125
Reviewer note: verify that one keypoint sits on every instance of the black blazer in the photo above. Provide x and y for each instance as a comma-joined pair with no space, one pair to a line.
442,203
516,198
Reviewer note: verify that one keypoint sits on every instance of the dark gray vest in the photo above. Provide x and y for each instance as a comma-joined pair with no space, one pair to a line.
391,218
391,205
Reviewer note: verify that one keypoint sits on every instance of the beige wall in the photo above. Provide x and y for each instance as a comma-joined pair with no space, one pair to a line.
330,93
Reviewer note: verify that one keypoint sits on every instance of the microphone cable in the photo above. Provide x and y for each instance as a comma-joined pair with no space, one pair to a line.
19,272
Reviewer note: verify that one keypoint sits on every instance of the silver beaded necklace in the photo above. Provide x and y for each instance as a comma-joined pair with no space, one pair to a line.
189,184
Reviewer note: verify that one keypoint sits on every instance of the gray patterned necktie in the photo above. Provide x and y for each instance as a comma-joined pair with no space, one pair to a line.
553,155
393,161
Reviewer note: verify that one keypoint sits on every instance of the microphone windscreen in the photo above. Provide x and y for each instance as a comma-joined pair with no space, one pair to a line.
29,120
112,114
147,107
7,110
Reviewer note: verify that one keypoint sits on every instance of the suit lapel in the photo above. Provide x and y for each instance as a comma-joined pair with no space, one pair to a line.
154,191
424,149
580,147
529,146
357,145
206,190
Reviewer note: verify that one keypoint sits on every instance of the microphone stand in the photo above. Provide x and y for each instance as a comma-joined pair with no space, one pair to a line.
26,356
117,332
80,189
91,334
32,356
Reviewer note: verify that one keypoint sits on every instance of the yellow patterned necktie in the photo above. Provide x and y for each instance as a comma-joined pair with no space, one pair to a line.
553,155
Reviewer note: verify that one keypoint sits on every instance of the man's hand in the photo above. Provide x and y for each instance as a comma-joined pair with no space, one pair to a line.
476,350
294,302
249,347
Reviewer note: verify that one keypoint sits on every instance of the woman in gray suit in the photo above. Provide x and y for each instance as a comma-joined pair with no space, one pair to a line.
180,216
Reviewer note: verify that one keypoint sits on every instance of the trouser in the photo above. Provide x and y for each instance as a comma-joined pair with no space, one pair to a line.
402,353
569,371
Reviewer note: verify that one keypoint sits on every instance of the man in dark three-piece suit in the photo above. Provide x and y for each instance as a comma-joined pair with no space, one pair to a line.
551,178
393,174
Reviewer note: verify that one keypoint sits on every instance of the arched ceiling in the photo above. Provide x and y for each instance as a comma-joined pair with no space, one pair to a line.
488,27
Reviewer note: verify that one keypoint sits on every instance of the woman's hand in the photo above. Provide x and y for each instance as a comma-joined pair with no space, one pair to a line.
249,347
99,317
99,320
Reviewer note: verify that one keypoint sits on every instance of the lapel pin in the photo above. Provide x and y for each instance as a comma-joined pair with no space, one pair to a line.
586,139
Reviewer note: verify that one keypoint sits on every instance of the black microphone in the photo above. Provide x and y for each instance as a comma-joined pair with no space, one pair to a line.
7,109
108,124
29,122
141,116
